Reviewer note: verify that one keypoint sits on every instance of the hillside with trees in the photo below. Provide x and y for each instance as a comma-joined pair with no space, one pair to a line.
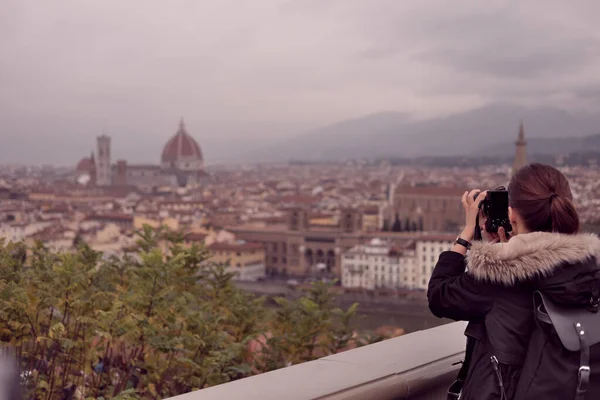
154,324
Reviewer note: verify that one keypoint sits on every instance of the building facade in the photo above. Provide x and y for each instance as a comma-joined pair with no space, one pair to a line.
300,249
393,264
245,260
427,208
427,252
371,266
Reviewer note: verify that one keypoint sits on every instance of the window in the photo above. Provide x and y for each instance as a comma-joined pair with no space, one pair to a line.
432,258
274,260
424,258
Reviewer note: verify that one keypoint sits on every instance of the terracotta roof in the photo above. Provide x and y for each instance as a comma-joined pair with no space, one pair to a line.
50,233
181,202
298,199
43,190
86,164
181,145
270,220
222,213
63,208
111,217
195,237
371,210
236,246
143,167
430,190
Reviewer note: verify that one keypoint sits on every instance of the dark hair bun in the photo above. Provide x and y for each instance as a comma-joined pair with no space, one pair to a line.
541,195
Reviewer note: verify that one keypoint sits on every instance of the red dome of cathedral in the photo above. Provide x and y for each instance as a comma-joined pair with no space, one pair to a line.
86,164
181,148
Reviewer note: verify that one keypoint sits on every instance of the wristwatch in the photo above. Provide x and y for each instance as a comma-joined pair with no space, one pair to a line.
462,242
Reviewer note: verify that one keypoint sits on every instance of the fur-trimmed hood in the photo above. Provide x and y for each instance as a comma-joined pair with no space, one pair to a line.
530,255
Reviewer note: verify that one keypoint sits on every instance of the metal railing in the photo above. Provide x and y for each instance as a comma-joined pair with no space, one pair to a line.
414,366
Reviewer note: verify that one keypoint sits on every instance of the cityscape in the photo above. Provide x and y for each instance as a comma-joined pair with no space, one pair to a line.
371,230
244,200
370,226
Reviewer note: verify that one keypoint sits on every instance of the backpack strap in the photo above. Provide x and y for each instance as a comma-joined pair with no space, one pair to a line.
584,332
455,389
540,315
583,376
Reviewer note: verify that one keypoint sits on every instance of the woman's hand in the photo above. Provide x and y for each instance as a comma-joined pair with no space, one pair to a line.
491,237
499,237
471,207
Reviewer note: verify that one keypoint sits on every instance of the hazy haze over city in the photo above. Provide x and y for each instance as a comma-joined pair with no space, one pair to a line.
245,73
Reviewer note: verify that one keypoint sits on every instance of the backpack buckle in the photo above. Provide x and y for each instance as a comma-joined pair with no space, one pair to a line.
583,378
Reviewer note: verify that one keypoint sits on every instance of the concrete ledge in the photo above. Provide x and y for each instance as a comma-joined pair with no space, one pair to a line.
407,367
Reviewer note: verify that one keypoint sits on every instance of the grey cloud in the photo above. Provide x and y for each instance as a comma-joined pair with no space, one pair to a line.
502,61
588,92
501,42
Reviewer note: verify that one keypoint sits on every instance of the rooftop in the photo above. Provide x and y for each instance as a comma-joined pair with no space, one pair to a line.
236,246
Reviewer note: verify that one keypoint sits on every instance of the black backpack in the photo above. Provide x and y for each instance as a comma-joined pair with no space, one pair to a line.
562,353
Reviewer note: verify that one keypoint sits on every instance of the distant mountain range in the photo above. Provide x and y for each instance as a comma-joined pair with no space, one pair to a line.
487,131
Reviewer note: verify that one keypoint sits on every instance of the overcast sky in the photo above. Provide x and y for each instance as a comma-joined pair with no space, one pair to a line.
242,72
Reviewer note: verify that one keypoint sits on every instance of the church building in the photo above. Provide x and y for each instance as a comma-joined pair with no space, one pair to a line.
181,164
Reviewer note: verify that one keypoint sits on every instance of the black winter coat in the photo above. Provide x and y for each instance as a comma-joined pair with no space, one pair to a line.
492,288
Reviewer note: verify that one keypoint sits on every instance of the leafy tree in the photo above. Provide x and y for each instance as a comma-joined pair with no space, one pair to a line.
158,322
307,329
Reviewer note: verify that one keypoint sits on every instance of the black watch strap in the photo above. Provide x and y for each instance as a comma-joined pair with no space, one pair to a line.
463,242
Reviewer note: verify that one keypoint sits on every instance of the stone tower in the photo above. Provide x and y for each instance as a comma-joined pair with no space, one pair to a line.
103,169
520,151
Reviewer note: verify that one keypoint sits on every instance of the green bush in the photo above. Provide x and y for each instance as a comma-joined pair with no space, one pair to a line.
151,325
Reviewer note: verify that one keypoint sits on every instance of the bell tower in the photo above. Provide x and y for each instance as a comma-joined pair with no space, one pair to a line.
103,168
520,150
